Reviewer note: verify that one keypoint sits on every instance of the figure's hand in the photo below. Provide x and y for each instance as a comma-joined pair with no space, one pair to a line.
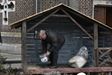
48,53
45,54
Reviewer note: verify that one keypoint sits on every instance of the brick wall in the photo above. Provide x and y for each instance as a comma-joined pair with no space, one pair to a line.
45,4
86,6
24,8
74,4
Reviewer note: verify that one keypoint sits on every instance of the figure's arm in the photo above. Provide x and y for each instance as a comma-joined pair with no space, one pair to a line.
44,47
52,47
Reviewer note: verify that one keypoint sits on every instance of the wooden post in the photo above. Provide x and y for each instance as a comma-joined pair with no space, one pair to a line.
23,52
96,44
72,19
42,21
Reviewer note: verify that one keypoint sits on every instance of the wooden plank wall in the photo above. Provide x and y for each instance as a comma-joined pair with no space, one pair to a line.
32,49
105,38
73,42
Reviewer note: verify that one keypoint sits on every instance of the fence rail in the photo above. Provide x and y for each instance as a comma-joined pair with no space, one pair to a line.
104,57
34,70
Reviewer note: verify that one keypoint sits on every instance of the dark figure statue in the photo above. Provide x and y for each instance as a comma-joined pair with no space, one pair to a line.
11,5
1,6
52,43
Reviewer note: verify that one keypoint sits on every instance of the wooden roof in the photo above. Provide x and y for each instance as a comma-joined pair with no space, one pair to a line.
103,5
52,9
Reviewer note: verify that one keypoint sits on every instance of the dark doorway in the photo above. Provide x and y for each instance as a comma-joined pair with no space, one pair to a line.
103,14
109,16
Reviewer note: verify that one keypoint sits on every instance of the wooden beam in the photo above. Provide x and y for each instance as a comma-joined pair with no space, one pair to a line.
23,53
42,20
68,70
11,34
77,24
95,36
57,15
105,53
104,48
96,44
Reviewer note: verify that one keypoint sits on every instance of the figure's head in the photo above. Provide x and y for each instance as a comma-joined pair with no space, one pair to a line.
42,34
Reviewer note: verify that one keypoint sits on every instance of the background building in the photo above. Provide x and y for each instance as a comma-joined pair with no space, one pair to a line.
11,39
11,45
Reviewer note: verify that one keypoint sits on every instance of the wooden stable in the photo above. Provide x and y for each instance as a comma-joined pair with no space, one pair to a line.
78,30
